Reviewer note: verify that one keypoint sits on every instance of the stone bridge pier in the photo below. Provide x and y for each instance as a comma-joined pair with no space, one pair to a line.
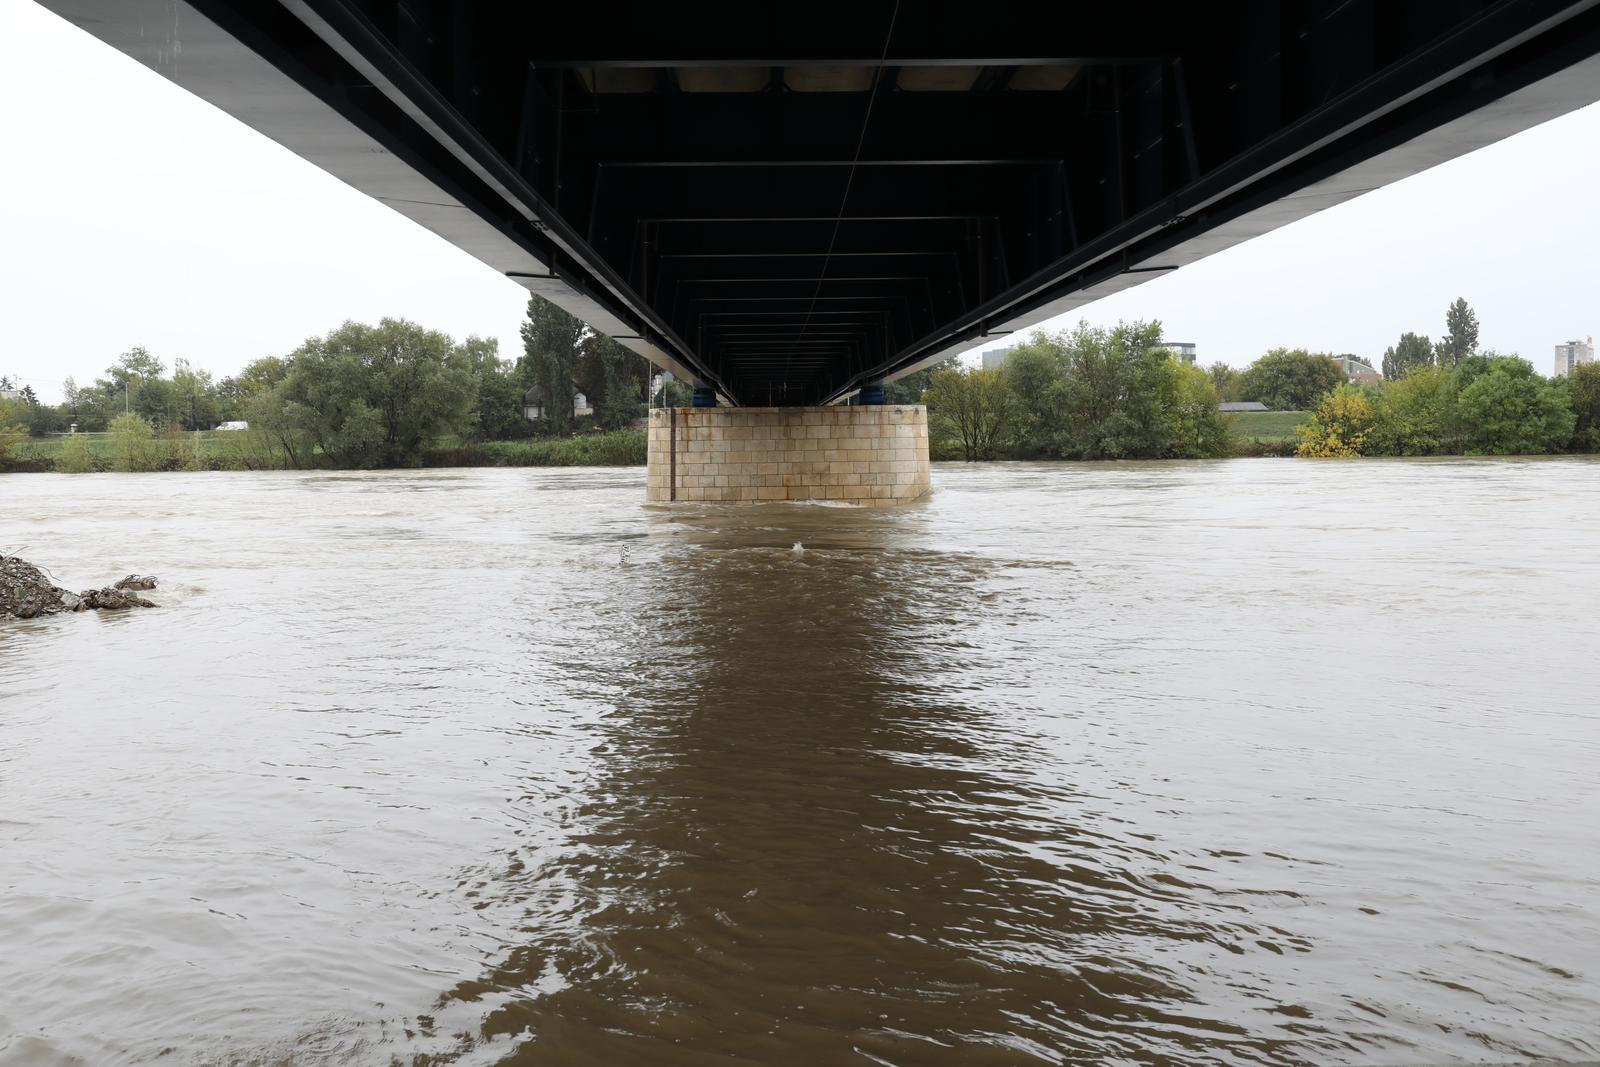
869,454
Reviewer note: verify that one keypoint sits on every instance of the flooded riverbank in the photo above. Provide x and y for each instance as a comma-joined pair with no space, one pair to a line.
1240,762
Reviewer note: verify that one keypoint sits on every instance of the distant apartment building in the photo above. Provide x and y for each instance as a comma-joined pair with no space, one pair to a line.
996,357
1184,350
1572,355
1357,371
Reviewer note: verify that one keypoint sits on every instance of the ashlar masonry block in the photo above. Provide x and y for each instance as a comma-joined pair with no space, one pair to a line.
868,455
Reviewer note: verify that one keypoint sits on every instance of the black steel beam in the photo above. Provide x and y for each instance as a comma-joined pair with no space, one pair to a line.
1506,47
846,32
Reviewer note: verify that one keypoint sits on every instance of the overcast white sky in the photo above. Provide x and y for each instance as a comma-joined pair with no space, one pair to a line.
133,213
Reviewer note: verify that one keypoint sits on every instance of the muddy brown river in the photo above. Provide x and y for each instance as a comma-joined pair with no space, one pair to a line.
1253,762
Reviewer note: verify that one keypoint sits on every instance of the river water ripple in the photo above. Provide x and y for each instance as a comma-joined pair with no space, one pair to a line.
1252,762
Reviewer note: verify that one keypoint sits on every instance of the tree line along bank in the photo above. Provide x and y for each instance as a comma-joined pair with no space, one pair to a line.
396,394
362,396
1093,393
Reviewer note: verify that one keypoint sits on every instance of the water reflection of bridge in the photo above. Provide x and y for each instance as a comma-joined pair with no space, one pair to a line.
809,834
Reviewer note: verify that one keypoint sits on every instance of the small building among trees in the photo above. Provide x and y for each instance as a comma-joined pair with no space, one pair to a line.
533,406
1356,371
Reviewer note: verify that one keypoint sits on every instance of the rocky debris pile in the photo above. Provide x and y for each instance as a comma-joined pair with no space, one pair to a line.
110,600
26,593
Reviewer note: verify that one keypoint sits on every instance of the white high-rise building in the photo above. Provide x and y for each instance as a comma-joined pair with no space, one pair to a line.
996,357
1572,355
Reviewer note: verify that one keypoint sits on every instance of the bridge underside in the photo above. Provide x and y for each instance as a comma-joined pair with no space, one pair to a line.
788,201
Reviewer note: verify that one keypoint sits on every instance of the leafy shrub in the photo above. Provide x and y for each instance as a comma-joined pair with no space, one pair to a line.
77,456
1414,415
1508,410
1090,393
1199,430
1583,391
1339,425
11,435
133,445
976,409
192,455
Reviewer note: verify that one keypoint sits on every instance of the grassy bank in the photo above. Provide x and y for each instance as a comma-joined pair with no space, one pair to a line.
1266,433
246,451
619,448
1256,433
207,450
43,452
1268,427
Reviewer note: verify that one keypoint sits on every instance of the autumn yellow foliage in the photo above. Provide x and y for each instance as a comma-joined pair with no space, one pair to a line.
1339,425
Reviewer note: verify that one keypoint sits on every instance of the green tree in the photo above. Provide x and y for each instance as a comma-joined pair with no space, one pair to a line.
1095,380
477,355
1036,372
1290,379
613,378
11,435
1412,351
373,396
551,343
236,391
156,403
127,377
1461,334
1509,410
133,445
909,388
1199,430
975,408
1094,393
135,365
1583,390
1117,387
86,408
1228,382
256,397
38,419
276,437
1414,415
1140,426
194,397
47,419
676,394
497,411
1471,369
